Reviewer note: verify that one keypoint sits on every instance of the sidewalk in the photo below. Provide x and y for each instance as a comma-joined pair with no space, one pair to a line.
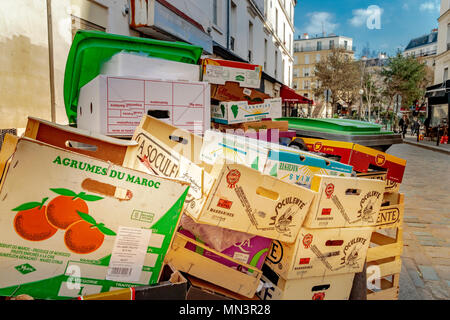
430,145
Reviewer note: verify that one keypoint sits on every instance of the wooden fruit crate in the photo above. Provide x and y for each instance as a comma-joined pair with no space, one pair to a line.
391,212
191,262
385,253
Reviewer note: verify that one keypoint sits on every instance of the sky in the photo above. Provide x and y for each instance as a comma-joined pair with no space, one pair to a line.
383,25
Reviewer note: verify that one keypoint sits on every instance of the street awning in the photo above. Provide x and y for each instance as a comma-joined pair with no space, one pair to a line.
289,95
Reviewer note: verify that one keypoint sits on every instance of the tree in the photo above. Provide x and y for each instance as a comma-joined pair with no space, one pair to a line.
339,73
405,76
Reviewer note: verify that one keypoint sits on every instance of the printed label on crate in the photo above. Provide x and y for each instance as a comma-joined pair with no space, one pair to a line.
128,254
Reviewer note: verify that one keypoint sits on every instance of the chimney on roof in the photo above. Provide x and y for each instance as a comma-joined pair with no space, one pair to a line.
434,30
305,36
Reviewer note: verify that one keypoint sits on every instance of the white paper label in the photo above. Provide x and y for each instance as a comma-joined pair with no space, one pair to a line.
128,254
242,257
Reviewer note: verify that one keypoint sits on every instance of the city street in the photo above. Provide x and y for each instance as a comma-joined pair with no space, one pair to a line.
426,254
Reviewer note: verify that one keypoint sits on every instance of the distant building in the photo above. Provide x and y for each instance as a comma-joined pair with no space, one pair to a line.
438,94
424,48
307,52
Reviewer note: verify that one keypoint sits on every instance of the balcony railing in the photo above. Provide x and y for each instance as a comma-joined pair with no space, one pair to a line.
323,47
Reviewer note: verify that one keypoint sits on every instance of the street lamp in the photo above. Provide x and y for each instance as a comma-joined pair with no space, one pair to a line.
361,92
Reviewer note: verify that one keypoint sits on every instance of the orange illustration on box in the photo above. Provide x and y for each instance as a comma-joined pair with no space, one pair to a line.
69,211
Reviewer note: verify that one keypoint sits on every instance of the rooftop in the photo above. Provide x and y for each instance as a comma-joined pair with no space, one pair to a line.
422,41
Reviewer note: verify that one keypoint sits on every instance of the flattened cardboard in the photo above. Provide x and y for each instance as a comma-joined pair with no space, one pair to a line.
44,268
241,111
220,71
344,202
320,253
117,151
336,287
114,106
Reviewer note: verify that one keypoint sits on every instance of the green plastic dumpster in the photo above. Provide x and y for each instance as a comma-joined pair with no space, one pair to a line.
90,49
360,132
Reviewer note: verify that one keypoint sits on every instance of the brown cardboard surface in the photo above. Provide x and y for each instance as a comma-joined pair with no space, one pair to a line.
344,202
106,148
321,252
232,91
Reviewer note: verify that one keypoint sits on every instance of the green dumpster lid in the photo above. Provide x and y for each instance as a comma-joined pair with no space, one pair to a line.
336,126
90,49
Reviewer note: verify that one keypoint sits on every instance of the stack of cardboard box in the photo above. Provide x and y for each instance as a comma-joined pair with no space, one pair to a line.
384,254
107,218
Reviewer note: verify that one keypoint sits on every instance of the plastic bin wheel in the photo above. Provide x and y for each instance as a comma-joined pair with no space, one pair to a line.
298,143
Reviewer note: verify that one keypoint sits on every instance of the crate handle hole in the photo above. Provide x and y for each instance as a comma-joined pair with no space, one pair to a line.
334,243
106,189
179,139
159,114
353,192
80,146
322,287
266,193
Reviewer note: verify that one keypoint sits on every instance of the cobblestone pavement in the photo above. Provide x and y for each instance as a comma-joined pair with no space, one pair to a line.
426,229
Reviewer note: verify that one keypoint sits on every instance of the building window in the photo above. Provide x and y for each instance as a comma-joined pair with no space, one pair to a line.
306,58
276,63
319,45
445,74
276,21
295,59
295,73
215,13
318,57
250,41
331,44
265,54
345,44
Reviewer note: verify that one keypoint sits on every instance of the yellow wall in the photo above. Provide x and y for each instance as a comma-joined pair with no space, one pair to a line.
24,56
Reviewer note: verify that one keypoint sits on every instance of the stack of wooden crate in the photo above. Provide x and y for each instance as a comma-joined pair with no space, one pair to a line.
384,255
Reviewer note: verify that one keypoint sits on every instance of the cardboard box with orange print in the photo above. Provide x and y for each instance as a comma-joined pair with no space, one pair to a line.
320,253
232,91
364,160
220,71
228,195
344,202
336,287
74,225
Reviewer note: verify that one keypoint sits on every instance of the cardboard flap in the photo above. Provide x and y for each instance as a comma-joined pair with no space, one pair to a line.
80,141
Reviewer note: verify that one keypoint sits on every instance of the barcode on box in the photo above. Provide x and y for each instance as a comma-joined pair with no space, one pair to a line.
120,271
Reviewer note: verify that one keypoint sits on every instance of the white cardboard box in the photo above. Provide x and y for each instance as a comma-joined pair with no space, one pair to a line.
132,64
114,106
240,111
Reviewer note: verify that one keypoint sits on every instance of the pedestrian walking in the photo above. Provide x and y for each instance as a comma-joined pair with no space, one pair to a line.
403,124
